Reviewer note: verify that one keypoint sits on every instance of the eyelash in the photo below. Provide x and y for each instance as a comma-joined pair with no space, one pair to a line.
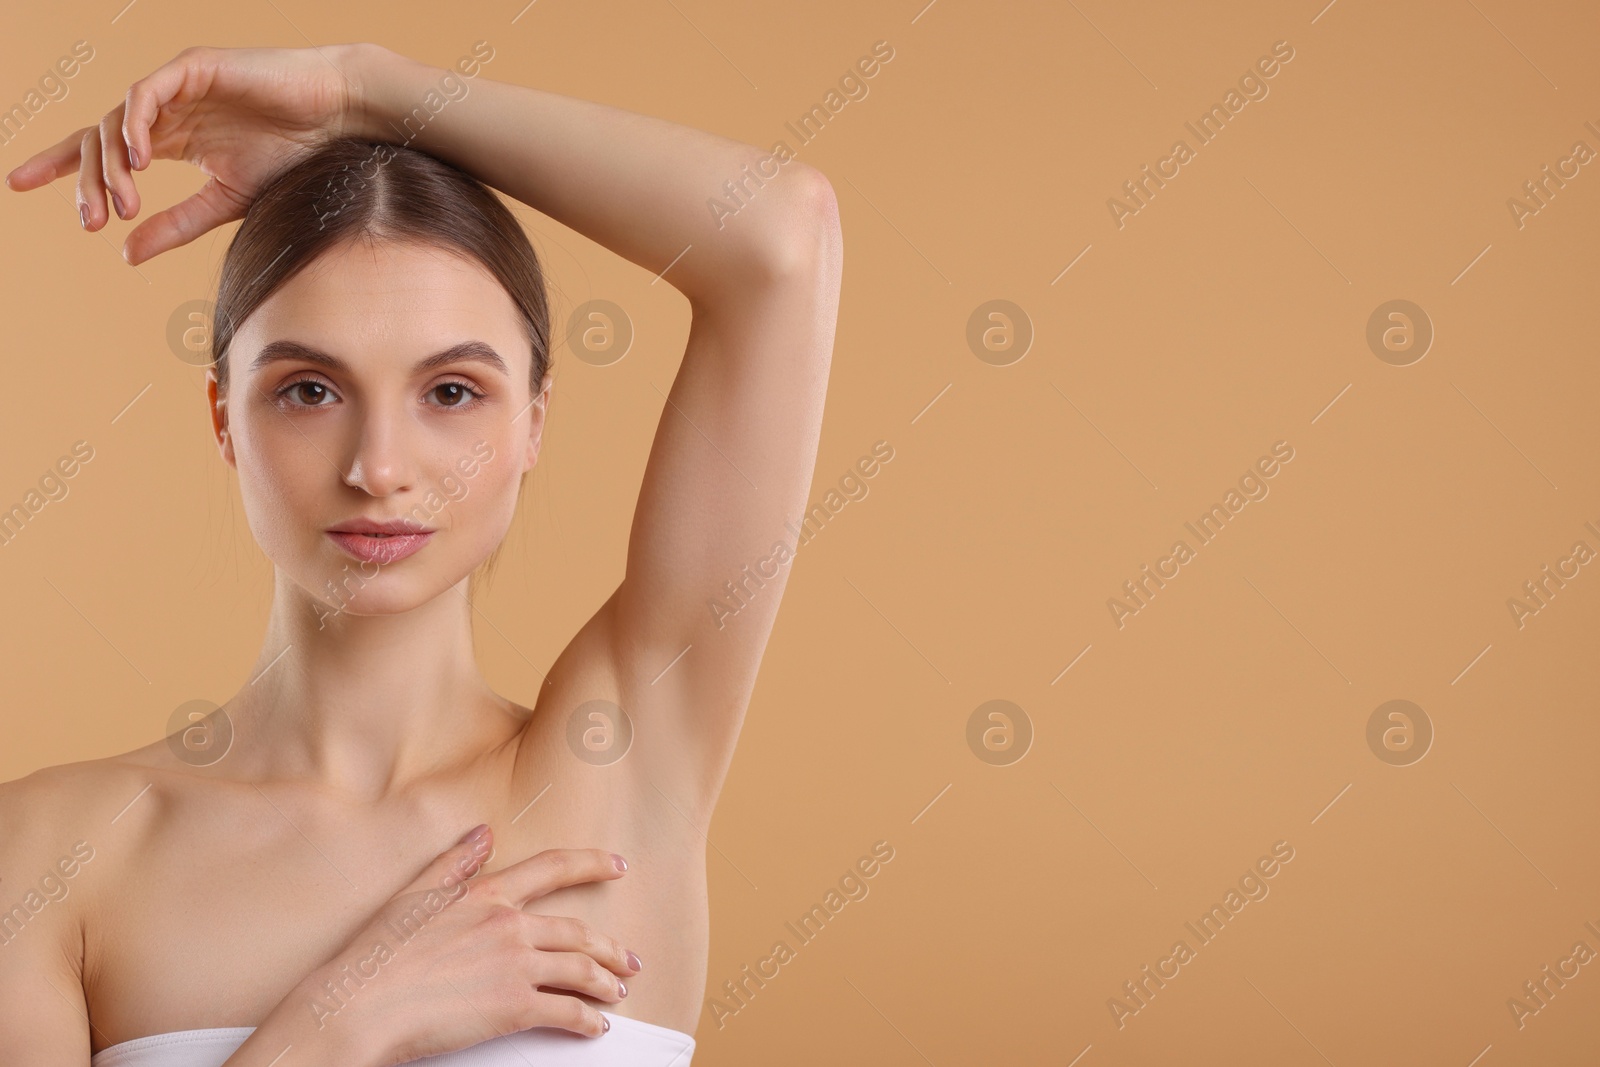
282,395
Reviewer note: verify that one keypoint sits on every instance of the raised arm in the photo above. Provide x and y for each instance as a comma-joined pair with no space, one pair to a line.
709,554
734,451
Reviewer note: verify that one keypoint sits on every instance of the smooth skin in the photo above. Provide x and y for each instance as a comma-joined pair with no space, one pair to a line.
229,894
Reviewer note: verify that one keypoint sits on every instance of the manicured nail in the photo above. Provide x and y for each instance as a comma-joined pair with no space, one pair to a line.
474,833
133,157
622,990
83,215
116,201
606,1023
621,863
633,962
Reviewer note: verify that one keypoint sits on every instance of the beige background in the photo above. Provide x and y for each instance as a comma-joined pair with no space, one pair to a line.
1225,316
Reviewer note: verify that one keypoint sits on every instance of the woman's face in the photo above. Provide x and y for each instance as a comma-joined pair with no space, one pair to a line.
386,384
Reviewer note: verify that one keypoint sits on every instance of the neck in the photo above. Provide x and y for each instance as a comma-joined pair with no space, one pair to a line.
366,704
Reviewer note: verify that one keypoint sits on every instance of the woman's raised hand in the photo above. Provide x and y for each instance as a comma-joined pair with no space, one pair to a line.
239,114
453,960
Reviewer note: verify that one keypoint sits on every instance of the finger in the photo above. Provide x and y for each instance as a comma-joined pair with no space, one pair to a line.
455,864
42,168
91,188
114,166
578,973
144,101
557,868
559,933
181,223
565,1012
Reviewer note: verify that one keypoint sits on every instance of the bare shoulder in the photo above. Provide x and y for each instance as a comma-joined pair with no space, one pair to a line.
45,814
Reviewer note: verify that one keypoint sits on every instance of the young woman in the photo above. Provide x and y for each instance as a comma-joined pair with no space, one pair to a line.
291,881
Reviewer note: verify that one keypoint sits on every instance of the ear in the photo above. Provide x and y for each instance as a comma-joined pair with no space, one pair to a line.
535,416
218,404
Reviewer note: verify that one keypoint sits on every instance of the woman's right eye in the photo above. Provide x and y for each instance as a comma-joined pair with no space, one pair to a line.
307,392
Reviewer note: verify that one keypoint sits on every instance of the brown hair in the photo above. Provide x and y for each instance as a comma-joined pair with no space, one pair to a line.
347,188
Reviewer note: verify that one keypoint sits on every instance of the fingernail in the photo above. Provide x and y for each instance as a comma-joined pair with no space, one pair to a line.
622,990
606,1024
621,863
474,833
116,201
633,961
83,215
133,157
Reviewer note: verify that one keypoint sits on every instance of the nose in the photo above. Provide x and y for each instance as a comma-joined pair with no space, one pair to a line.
380,460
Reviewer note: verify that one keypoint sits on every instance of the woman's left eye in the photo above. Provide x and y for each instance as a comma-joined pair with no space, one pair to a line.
454,394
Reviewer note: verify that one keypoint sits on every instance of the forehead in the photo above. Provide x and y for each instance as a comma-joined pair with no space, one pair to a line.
371,296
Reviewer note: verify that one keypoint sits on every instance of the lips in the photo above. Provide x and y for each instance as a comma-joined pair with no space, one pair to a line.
384,542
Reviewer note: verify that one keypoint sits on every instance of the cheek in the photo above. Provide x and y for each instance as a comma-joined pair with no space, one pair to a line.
282,483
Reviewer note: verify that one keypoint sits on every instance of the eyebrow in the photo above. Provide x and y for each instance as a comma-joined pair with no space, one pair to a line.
466,351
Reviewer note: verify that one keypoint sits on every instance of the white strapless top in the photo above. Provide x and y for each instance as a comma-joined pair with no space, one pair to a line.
629,1043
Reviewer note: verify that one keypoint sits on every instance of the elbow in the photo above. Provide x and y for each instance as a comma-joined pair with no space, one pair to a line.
805,238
